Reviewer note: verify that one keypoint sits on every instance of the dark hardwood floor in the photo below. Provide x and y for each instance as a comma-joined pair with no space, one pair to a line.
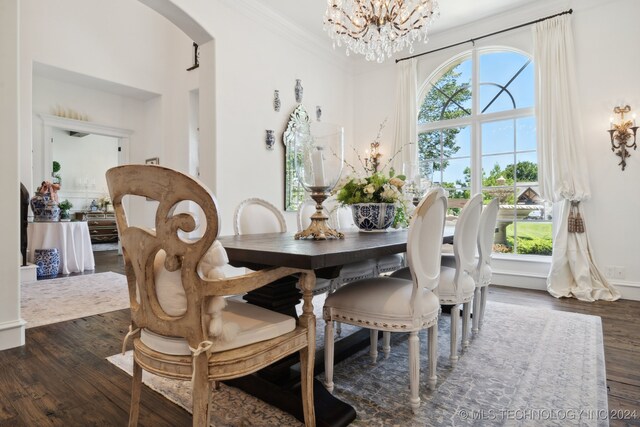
61,377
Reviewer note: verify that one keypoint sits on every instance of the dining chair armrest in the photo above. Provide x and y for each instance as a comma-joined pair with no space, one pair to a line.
248,282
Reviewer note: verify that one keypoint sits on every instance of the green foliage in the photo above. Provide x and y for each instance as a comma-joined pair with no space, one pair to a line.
533,238
441,103
65,205
377,188
56,167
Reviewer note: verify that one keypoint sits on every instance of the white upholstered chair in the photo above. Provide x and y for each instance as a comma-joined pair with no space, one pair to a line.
398,305
482,276
457,285
183,327
257,216
343,219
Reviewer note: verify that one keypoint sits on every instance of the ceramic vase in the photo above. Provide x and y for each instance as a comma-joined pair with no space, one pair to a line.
276,100
299,90
44,208
47,262
373,216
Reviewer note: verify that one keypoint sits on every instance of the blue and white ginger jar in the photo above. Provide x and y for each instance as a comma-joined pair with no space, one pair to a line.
44,208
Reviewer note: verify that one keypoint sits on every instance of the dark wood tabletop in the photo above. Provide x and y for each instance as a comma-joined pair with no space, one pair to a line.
282,250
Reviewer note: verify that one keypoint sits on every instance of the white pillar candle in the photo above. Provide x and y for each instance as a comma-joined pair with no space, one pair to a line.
317,164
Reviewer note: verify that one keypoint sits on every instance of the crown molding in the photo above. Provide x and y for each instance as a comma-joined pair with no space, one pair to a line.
281,26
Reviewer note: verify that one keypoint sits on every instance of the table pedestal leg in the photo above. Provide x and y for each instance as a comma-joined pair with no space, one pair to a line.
279,383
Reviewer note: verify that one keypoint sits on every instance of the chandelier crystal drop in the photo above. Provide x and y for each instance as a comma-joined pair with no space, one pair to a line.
379,28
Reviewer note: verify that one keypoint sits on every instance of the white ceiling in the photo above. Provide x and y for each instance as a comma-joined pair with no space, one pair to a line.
308,14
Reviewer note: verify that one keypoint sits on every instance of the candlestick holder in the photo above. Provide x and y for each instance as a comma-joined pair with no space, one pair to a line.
318,157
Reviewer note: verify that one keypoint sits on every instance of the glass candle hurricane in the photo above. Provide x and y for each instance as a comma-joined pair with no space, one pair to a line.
319,155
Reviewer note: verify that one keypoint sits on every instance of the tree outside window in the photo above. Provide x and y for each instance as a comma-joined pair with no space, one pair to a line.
491,150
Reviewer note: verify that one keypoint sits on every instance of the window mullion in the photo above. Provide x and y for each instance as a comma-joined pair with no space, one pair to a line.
476,151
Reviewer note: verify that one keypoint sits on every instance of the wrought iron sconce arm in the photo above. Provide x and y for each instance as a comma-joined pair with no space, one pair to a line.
621,134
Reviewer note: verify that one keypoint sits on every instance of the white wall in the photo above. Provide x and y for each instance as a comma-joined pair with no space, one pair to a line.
11,326
250,64
605,37
143,51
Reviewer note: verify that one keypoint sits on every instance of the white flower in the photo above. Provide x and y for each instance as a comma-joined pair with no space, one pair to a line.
390,192
370,189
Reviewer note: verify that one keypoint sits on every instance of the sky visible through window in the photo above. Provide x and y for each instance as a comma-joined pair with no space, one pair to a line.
496,69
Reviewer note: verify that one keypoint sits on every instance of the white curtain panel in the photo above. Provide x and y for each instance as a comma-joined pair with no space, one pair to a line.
406,137
561,163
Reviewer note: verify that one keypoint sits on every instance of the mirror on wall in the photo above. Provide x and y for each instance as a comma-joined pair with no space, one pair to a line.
294,194
83,160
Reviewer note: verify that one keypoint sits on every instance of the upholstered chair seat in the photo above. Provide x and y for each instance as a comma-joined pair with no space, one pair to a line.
389,263
391,304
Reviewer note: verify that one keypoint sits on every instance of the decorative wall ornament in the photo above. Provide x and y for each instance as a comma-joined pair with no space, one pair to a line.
196,57
276,100
293,191
621,134
299,90
318,112
270,139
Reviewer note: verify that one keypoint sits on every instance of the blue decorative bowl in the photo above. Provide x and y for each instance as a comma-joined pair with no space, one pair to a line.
47,262
373,216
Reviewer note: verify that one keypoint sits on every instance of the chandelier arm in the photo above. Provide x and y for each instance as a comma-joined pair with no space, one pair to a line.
349,19
347,32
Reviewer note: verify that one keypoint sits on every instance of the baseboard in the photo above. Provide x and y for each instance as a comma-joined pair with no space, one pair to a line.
628,290
519,280
12,334
28,273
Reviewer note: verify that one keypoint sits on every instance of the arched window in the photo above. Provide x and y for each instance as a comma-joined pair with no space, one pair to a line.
477,133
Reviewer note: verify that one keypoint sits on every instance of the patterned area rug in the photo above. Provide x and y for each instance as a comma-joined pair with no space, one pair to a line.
56,300
101,247
527,367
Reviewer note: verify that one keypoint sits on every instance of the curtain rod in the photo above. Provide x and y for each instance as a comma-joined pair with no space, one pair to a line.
473,40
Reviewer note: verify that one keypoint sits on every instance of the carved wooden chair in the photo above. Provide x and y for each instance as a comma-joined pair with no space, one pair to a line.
391,304
182,325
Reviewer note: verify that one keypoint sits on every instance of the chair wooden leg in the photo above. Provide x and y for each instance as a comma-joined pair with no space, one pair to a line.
455,318
134,411
414,370
201,392
433,355
466,319
328,355
373,345
483,304
386,343
306,381
476,310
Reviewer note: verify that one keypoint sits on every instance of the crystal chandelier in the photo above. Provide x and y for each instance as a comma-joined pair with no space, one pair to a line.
376,28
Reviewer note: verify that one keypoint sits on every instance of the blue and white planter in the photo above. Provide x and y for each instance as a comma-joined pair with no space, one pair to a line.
44,208
373,216
47,262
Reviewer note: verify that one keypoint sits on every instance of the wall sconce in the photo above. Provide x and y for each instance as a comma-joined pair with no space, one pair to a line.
372,159
621,134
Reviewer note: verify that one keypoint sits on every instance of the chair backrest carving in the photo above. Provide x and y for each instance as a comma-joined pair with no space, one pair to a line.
424,242
465,240
140,245
486,235
257,216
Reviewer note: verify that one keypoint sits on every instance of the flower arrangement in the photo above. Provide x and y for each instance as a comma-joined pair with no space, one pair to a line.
373,186
105,202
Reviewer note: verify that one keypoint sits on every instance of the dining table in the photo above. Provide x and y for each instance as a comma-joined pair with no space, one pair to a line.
278,384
